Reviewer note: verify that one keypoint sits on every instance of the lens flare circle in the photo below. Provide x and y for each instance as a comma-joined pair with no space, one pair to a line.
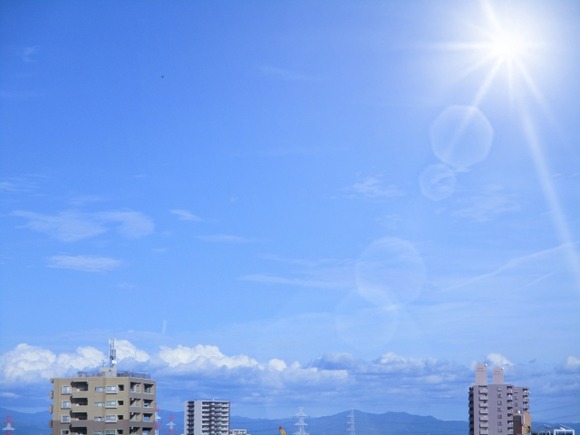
390,273
461,136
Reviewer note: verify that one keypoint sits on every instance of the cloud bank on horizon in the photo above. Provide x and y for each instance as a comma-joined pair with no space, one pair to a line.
292,203
327,384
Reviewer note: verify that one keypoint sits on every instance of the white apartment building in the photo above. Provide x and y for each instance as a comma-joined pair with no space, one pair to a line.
497,408
206,417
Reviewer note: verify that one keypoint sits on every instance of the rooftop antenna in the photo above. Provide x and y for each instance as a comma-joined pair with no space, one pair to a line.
350,424
301,424
8,428
112,353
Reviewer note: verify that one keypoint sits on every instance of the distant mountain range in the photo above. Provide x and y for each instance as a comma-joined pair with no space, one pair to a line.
389,423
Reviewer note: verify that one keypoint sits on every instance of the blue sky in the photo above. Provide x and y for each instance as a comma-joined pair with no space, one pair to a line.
330,205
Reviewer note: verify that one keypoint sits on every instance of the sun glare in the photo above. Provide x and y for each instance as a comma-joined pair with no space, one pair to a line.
507,47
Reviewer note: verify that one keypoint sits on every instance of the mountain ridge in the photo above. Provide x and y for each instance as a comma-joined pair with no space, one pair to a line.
387,423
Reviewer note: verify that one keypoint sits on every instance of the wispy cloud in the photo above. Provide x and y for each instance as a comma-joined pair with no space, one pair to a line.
21,184
290,281
224,238
28,54
84,263
185,215
326,273
374,188
282,73
73,226
529,262
488,205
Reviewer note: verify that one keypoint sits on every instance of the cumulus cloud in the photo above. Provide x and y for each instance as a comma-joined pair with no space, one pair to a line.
202,357
390,382
84,263
72,226
27,363
499,360
127,350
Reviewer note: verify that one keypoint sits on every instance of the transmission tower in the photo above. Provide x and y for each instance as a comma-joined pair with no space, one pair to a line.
8,428
301,424
171,425
350,427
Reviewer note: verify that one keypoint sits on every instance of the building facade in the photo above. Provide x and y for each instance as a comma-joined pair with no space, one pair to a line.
497,408
104,403
206,417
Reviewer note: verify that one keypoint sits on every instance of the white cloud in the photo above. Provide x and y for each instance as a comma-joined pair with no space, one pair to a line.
391,362
373,188
84,263
130,224
185,215
499,360
73,226
277,365
572,364
202,357
391,382
27,363
66,226
125,350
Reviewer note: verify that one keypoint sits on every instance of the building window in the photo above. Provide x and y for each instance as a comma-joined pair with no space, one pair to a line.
111,389
110,432
110,418
65,418
65,404
97,433
99,404
65,389
111,404
99,389
64,432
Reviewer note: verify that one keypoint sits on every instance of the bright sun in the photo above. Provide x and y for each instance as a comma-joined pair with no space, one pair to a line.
507,47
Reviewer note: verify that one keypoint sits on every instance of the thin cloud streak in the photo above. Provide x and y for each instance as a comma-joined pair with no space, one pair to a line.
84,263
72,226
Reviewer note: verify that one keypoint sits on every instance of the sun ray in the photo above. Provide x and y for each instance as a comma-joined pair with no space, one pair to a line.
558,216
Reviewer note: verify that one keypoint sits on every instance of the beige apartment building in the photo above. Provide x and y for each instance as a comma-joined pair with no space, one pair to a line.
497,408
103,403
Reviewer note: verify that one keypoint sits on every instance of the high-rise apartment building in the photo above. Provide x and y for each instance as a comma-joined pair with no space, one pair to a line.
497,408
103,403
206,417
